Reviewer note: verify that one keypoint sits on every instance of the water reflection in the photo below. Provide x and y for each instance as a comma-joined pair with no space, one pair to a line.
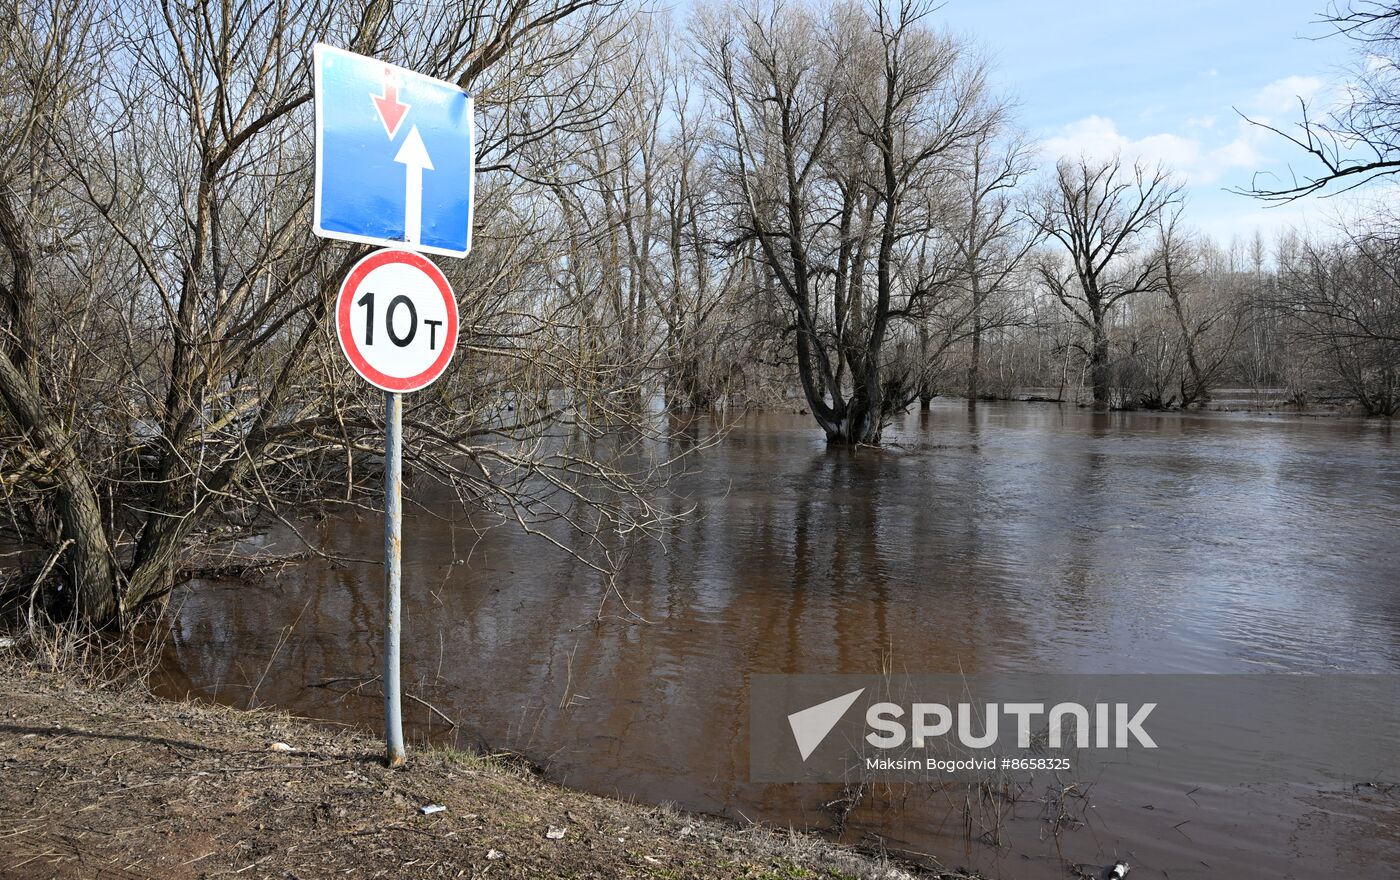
1001,537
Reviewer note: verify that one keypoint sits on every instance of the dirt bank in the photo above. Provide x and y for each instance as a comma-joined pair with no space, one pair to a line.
107,782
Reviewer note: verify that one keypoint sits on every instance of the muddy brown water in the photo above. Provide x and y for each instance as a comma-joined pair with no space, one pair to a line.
1006,538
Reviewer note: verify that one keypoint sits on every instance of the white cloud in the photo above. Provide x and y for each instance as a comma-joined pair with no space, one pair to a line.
1282,95
1215,151
1238,153
1099,138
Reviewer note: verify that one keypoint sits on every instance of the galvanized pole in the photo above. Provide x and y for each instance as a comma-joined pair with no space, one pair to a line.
393,534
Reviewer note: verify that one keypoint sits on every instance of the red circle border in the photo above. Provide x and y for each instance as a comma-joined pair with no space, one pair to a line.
350,286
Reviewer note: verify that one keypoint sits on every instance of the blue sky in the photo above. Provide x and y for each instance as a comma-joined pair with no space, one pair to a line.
1162,81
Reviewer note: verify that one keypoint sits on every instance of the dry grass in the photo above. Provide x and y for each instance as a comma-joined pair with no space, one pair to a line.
103,780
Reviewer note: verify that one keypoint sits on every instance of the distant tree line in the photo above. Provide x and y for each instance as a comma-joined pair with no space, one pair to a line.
825,198
830,198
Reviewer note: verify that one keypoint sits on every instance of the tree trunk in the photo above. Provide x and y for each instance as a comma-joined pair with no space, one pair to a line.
975,364
1197,390
925,385
860,426
1099,367
87,561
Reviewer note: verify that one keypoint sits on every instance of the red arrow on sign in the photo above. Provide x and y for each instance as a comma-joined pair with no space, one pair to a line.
391,112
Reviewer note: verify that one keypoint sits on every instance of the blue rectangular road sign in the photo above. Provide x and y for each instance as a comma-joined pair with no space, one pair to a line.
394,156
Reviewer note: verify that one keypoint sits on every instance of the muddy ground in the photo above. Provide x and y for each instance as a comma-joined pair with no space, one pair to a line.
106,781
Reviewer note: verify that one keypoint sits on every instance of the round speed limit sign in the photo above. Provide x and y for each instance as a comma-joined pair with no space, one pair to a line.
397,320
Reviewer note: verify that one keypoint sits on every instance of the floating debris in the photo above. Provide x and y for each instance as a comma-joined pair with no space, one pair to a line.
1116,871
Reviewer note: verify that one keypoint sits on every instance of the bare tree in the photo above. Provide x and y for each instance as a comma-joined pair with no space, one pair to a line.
1360,141
1101,214
842,133
706,320
1342,299
777,89
1208,310
201,388
992,242
51,59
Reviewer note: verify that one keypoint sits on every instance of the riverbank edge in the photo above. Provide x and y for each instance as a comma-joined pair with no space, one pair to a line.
106,780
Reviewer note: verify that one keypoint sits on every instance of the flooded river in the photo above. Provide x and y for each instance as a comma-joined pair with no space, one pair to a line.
1010,538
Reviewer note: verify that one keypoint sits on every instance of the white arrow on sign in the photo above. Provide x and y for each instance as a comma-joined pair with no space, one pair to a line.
414,157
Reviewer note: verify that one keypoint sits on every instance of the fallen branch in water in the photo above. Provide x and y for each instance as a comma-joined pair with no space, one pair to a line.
237,567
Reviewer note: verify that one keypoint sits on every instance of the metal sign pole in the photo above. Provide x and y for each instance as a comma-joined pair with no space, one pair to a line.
393,555
364,187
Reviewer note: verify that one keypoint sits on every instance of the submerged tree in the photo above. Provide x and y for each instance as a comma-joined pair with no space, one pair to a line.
992,242
1341,299
842,132
1206,306
1102,214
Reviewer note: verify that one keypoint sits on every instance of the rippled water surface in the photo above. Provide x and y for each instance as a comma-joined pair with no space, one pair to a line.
1009,537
